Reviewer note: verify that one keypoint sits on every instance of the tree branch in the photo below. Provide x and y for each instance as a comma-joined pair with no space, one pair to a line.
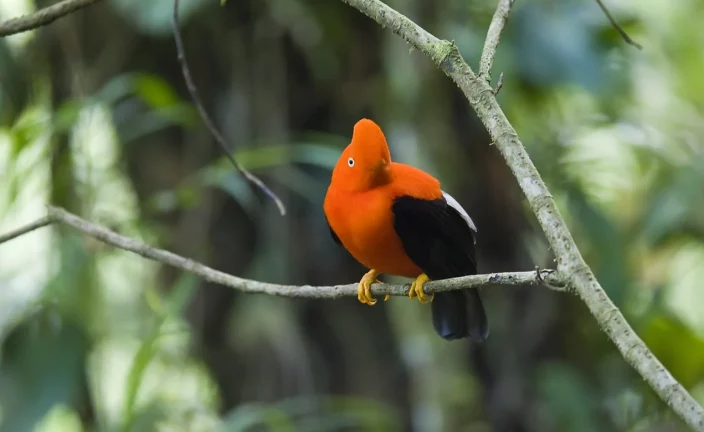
570,262
548,278
492,39
42,17
193,91
46,220
617,26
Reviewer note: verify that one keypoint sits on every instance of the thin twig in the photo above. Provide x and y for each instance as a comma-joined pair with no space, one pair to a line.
492,38
547,278
193,90
46,220
42,17
499,84
617,26
480,96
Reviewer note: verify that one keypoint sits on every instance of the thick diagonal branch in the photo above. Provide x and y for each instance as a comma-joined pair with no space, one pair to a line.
570,261
548,278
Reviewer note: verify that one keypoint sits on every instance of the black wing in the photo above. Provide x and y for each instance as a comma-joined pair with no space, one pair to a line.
439,241
435,237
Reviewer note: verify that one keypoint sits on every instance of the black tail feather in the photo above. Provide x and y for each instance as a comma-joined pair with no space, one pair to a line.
460,314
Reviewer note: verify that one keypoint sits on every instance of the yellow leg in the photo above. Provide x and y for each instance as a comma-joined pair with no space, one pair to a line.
364,289
417,289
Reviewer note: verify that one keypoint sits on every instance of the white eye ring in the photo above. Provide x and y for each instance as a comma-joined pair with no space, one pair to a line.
350,162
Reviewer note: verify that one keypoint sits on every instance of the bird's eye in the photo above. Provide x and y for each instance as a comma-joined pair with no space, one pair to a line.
350,162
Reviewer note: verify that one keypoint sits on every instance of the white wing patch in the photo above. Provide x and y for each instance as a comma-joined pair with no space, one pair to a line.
455,205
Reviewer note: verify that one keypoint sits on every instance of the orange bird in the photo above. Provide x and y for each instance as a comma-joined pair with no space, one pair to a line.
395,219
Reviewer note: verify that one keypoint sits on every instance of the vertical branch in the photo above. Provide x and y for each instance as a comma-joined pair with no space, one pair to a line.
492,38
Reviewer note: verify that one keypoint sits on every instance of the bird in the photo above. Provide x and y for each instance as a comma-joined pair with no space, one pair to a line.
395,219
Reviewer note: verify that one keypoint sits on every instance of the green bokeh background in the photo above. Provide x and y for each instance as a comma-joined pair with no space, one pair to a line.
95,117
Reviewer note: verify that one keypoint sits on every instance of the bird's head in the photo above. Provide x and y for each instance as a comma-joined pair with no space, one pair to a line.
366,162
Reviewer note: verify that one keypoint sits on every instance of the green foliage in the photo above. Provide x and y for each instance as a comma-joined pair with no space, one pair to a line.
677,347
169,310
677,205
14,85
42,365
572,401
102,340
330,413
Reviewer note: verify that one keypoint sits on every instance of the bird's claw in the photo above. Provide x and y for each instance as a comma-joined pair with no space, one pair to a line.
417,289
364,289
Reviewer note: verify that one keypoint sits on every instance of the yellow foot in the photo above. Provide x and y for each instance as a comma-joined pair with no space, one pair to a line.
364,289
417,289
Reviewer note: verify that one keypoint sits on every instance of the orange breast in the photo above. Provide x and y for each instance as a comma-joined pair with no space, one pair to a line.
364,222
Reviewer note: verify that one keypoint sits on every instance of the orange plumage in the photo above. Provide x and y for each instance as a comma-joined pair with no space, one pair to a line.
395,219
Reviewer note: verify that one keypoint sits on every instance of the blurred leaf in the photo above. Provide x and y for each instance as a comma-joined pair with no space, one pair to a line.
679,349
182,294
221,173
299,181
25,132
136,375
177,300
155,91
609,259
188,196
569,396
61,418
42,365
237,187
66,115
14,85
73,289
627,409
117,88
678,207
141,124
247,416
325,413
163,106
543,59
374,415
148,417
320,155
